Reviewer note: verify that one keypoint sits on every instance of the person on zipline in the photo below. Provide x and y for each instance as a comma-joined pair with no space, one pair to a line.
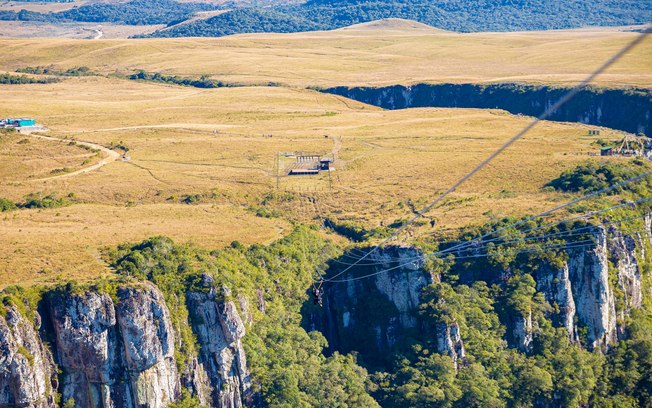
317,293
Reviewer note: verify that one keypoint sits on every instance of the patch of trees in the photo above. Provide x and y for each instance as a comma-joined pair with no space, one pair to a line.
52,70
8,79
355,231
37,200
203,82
289,368
483,296
7,205
247,20
594,176
135,12
457,15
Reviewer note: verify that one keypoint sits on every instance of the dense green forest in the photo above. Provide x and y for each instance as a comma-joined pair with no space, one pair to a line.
287,363
595,176
246,20
457,15
134,12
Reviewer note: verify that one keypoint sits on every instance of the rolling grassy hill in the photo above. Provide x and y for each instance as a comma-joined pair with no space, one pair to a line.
358,56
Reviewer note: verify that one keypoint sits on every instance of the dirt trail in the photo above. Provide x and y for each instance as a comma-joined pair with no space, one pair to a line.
337,146
111,156
208,128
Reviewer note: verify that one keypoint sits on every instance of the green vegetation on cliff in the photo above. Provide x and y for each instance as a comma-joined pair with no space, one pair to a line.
287,364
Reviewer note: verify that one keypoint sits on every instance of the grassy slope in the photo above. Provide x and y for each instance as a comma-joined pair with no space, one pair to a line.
356,57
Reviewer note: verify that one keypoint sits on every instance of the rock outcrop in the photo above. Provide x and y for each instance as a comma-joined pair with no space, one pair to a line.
593,296
555,284
597,286
589,294
523,333
623,256
449,341
119,351
147,339
402,289
115,355
27,372
220,330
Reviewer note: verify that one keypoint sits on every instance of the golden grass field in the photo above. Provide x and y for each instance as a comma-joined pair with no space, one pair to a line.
392,53
186,141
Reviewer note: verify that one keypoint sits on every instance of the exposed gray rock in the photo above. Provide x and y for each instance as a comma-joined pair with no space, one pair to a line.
244,307
402,287
219,331
110,359
148,343
555,284
86,347
260,300
26,366
594,300
622,254
449,341
523,332
387,303
196,380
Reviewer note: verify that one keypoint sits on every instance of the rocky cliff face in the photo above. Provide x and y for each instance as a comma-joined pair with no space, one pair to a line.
589,294
115,355
449,341
523,332
27,372
628,110
584,291
120,352
594,299
371,315
220,330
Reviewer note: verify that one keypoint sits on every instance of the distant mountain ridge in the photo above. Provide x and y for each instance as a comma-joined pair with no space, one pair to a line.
454,15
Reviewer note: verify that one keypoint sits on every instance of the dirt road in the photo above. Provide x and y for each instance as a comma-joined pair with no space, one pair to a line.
111,156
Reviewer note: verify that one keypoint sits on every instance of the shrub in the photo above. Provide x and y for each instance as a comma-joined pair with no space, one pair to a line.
37,200
192,199
6,205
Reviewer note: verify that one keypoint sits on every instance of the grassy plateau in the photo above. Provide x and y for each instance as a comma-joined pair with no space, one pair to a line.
200,165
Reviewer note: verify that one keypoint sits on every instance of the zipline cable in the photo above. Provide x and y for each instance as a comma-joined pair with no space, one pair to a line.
575,244
547,212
